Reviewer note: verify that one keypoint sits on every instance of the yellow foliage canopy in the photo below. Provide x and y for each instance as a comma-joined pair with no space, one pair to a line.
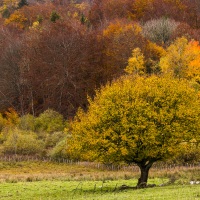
136,63
136,119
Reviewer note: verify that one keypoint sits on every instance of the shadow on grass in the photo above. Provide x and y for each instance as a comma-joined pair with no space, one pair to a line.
103,188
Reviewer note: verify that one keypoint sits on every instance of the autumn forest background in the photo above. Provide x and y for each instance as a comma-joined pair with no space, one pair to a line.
55,54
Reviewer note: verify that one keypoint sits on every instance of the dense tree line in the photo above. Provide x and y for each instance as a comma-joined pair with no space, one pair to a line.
55,53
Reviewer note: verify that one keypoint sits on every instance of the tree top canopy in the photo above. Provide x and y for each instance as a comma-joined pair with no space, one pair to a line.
137,120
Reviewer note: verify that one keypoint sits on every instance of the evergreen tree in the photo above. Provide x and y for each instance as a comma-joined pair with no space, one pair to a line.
22,3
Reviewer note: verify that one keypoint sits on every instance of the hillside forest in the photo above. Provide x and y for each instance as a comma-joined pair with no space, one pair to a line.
117,81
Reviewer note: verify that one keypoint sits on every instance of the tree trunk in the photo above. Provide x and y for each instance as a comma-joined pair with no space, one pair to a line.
144,169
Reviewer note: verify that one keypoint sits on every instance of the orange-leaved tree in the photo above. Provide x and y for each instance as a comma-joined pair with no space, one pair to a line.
17,19
182,59
120,38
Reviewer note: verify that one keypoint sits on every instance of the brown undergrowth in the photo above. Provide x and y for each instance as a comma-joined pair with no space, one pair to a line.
38,171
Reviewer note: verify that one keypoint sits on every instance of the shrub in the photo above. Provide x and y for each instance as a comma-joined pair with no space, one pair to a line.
11,117
50,121
53,139
2,122
27,122
22,142
59,151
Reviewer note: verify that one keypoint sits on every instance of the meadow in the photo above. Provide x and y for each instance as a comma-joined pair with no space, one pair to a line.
94,190
50,180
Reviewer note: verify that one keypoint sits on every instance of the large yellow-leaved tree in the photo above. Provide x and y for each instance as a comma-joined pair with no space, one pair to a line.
137,120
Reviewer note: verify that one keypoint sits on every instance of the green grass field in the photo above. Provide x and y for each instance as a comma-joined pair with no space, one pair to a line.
94,190
40,180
